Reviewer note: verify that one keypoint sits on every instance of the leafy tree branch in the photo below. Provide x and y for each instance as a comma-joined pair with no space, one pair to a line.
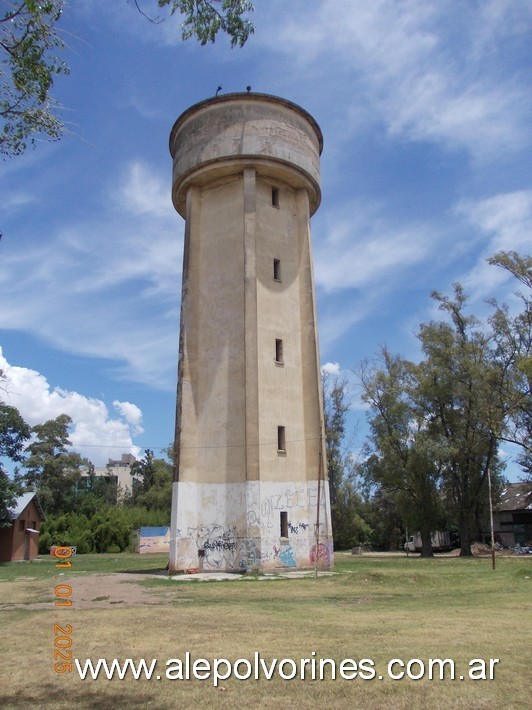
30,45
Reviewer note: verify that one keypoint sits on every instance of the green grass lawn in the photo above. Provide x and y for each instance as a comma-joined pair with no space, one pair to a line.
44,567
373,608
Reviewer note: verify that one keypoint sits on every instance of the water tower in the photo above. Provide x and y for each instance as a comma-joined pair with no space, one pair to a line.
250,483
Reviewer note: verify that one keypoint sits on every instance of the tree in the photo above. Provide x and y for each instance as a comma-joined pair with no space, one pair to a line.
519,266
513,338
14,432
96,491
110,528
203,19
28,64
153,487
402,457
143,472
461,388
437,425
381,510
334,412
30,43
349,527
52,471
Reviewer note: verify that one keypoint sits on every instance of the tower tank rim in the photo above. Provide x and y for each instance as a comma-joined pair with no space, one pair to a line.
247,95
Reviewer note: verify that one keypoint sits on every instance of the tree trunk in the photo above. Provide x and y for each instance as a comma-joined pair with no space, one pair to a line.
465,537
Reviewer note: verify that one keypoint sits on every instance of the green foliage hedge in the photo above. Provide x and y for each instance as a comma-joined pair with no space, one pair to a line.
109,529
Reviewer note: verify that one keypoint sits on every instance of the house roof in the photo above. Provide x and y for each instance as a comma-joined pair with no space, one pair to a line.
516,496
22,502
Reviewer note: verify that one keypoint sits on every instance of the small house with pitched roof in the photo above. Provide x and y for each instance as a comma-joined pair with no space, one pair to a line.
20,540
512,517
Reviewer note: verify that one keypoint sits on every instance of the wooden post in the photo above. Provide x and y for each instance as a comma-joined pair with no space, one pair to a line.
317,553
491,520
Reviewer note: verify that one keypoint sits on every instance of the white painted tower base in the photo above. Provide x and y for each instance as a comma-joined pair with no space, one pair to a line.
241,531
250,482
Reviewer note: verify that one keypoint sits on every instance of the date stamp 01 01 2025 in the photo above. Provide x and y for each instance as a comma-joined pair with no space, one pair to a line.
62,632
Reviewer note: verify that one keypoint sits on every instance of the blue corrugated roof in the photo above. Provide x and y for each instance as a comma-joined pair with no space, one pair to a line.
154,531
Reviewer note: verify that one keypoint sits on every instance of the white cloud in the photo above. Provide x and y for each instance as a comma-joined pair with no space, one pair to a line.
368,264
331,368
506,218
427,70
111,281
360,248
16,200
95,434
131,413
444,72
504,222
334,374
143,192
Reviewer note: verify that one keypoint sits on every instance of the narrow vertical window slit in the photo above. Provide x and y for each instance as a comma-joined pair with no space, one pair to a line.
284,523
281,439
279,351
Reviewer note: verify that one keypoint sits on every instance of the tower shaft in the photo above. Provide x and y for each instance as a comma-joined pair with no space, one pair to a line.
249,424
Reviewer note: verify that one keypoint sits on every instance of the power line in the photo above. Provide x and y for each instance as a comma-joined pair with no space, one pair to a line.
188,448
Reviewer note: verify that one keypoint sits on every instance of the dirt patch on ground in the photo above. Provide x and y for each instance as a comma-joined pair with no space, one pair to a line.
119,588
90,591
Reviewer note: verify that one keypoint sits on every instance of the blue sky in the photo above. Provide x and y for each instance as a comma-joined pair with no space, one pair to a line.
425,107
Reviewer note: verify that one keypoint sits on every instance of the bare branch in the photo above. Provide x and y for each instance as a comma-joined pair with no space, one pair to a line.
154,21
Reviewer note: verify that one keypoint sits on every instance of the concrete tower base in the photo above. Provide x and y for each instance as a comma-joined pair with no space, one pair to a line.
239,526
